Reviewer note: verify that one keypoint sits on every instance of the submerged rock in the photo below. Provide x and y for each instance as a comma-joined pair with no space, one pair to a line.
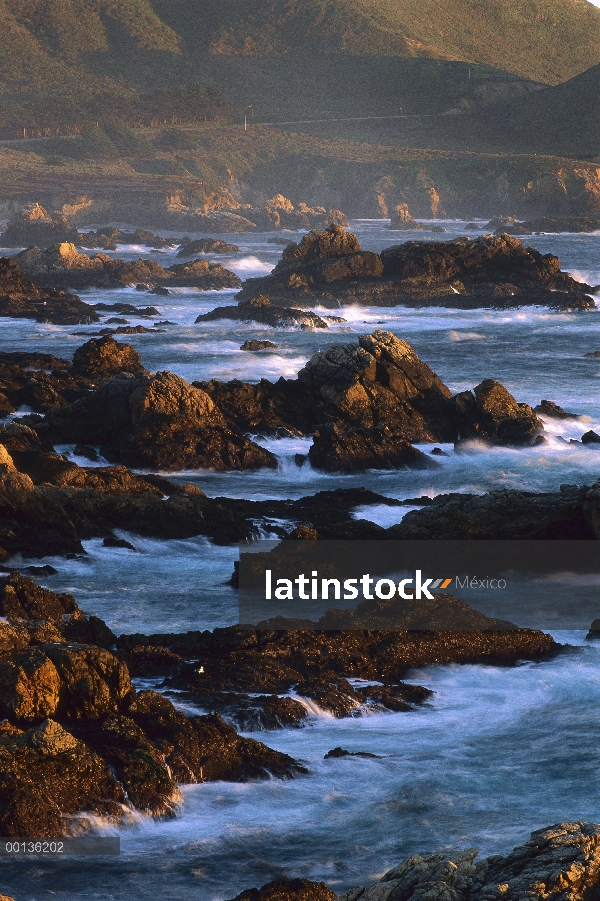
258,345
330,268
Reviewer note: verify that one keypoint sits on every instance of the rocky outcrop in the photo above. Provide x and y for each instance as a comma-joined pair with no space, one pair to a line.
34,225
288,890
155,421
499,272
374,395
60,265
260,309
569,514
77,738
334,450
109,237
21,299
401,219
254,345
190,248
244,674
562,862
104,357
553,411
279,212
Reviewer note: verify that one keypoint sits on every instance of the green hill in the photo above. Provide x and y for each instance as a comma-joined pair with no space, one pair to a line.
545,40
68,60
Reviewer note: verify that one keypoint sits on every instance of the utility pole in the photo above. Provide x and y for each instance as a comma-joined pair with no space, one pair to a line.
251,108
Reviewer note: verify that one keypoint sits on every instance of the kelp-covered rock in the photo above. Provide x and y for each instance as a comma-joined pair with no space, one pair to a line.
330,268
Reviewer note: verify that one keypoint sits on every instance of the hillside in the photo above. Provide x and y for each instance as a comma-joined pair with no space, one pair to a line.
64,61
545,40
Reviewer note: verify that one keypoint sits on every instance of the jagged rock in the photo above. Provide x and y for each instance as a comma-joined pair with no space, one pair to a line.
157,422
561,862
21,299
492,414
29,687
260,309
34,225
105,357
93,682
548,224
377,383
549,408
22,599
258,345
401,220
149,660
46,776
61,265
329,267
334,450
205,748
190,248
288,890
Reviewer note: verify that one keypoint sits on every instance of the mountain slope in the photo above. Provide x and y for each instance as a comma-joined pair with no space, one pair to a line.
546,40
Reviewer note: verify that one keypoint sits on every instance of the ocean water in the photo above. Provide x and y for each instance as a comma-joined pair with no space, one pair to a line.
497,753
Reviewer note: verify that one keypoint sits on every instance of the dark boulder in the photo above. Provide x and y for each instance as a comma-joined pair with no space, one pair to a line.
492,414
288,890
590,437
549,408
22,599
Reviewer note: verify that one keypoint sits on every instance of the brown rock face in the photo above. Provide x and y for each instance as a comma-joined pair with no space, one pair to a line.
29,687
329,267
93,682
401,220
105,357
492,414
22,599
334,450
562,862
156,421
288,890
21,299
46,775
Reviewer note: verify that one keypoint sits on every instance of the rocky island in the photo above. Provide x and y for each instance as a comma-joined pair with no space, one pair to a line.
330,268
